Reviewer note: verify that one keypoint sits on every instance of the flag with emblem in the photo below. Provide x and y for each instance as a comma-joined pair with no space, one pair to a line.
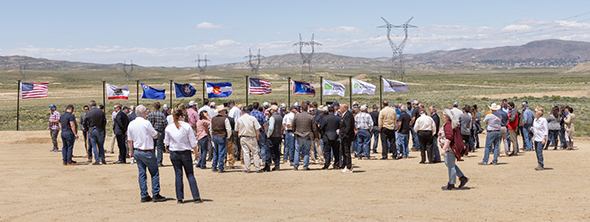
152,93
184,90
302,88
360,87
115,92
219,89
394,86
333,88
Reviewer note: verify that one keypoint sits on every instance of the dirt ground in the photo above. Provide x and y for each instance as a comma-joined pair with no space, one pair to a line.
35,186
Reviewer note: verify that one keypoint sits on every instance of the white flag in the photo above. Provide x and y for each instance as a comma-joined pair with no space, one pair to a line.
394,86
360,87
115,92
333,88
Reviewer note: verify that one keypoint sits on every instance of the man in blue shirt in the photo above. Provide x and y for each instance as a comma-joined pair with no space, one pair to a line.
262,134
527,123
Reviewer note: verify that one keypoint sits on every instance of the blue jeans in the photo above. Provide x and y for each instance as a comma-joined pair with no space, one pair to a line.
184,160
289,147
539,151
453,169
492,142
159,142
304,145
375,133
204,144
415,141
435,149
397,145
363,139
147,160
97,142
68,140
263,146
403,144
528,141
562,137
219,153
553,134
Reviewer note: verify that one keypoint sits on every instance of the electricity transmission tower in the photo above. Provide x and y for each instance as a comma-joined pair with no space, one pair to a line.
306,68
254,67
127,73
397,61
202,69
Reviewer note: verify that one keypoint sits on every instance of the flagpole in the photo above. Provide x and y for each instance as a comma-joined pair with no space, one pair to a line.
18,104
204,89
380,90
137,91
289,93
321,90
104,103
247,89
350,90
170,92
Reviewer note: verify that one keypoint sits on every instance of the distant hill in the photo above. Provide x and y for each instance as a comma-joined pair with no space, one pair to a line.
537,53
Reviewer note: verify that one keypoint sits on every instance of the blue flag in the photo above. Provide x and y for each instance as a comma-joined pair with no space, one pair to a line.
184,90
220,89
303,88
152,93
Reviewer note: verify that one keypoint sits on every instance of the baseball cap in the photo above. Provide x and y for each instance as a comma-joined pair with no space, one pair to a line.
124,107
355,103
375,106
364,108
335,104
52,106
212,104
265,104
165,105
283,105
274,107
191,103
296,104
325,108
395,105
415,102
455,104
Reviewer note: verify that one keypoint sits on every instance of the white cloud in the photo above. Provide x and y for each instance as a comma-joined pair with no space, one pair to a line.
208,25
515,27
344,30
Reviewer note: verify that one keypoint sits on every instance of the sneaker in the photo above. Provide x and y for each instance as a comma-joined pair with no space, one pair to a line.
54,150
132,160
539,168
346,170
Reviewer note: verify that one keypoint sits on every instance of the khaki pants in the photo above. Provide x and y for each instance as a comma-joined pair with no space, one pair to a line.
504,134
317,149
514,141
250,144
569,136
230,153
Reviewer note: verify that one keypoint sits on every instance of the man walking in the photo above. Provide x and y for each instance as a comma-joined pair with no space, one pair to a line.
363,123
120,129
54,126
275,133
69,134
159,123
305,130
97,122
141,135
387,122
248,130
375,129
346,137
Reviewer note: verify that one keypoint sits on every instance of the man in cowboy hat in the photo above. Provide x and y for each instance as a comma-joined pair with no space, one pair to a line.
494,122
220,129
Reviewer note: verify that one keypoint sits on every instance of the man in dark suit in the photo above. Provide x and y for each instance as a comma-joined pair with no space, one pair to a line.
436,119
330,124
120,129
131,116
346,137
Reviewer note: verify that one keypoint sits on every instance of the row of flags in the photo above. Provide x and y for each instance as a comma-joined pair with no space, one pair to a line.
224,89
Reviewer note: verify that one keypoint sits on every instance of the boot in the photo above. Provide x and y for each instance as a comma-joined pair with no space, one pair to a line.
570,145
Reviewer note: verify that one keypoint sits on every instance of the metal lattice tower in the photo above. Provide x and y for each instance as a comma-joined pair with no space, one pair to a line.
306,68
127,73
397,61
202,68
254,66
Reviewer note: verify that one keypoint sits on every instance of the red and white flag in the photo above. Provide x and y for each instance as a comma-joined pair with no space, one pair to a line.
115,92
33,90
259,87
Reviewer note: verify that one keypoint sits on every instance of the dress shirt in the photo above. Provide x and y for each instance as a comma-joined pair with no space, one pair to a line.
235,113
180,139
363,120
388,118
494,122
193,117
425,122
202,126
540,129
55,116
158,120
527,116
114,115
247,126
288,120
271,127
142,133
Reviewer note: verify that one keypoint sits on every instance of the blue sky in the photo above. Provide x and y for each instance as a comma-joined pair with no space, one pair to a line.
173,33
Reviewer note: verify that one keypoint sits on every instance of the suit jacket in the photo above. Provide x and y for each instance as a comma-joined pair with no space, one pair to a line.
330,123
132,116
347,127
120,124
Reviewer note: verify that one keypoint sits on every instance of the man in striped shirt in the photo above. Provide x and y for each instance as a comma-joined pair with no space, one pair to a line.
54,126
363,123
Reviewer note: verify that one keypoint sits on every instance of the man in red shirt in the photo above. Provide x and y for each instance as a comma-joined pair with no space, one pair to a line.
513,119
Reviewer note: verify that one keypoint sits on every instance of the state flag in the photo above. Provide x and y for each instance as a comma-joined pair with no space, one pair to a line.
220,89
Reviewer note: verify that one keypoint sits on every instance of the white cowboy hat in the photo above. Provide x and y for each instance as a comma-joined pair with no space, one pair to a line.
494,106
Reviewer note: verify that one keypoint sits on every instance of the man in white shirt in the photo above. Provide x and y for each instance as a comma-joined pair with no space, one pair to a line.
456,111
289,151
140,135
426,128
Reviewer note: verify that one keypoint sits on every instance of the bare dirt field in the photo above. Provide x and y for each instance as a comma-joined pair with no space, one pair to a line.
35,186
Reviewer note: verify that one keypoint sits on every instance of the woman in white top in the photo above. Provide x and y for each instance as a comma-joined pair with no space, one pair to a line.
181,139
541,130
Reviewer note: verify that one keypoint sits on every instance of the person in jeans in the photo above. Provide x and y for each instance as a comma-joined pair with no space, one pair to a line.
180,139
289,151
159,122
96,131
527,123
453,149
494,122
403,129
513,118
426,128
220,130
305,130
554,127
202,128
375,130
140,136
363,123
465,122
540,131
53,128
69,134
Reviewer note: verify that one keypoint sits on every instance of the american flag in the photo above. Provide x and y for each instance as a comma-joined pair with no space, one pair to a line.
259,86
33,90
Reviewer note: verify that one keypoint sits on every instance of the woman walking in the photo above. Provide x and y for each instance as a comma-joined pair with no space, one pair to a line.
541,131
181,139
203,138
554,127
453,149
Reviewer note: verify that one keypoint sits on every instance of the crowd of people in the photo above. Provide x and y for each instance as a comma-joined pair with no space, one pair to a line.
309,133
